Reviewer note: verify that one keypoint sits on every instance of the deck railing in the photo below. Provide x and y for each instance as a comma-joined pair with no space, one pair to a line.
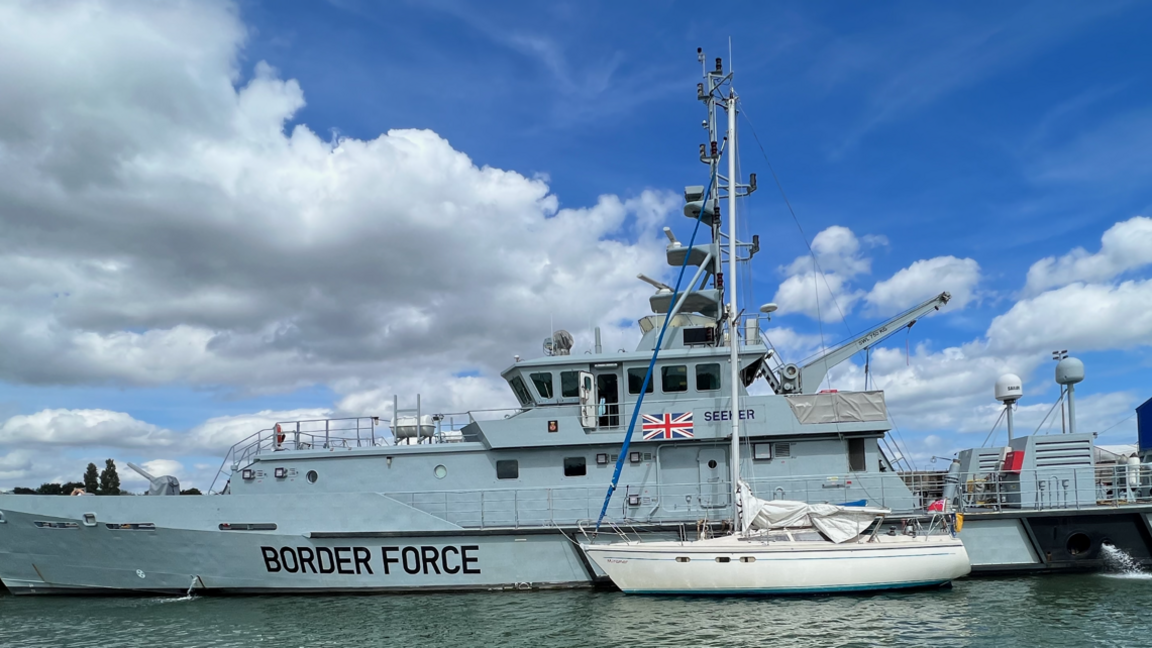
341,434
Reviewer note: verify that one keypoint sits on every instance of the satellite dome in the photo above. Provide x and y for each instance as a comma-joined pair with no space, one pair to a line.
1009,388
1069,371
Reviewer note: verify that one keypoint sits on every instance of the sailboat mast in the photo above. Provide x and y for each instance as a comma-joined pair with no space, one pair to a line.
733,337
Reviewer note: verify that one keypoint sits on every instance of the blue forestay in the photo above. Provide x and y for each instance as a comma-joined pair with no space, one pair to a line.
652,362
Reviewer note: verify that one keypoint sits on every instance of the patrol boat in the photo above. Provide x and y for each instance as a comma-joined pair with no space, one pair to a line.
777,547
423,500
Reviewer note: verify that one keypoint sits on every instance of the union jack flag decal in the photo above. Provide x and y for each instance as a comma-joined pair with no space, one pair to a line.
668,426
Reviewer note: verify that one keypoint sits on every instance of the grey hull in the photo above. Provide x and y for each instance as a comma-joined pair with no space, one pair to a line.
68,553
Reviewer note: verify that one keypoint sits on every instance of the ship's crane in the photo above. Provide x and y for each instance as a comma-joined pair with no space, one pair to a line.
794,379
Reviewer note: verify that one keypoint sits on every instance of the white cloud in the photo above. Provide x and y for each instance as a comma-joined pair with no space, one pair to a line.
16,465
84,427
1127,245
924,279
826,297
1081,317
162,228
823,290
218,434
837,251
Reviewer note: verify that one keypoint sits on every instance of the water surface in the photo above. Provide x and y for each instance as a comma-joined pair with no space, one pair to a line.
1055,611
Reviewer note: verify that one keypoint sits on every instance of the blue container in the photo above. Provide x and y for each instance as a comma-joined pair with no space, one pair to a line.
1144,427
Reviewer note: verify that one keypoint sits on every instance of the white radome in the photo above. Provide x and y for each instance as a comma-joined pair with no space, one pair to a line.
1069,371
1009,388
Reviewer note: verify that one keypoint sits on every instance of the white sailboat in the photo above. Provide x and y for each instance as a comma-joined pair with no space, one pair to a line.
779,547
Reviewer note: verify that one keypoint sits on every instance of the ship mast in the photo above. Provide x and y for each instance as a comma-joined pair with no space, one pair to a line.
733,337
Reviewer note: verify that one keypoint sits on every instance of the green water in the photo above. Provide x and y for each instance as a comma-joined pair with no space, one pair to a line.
1084,610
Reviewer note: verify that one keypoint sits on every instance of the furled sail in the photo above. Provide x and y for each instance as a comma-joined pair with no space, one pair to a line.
837,523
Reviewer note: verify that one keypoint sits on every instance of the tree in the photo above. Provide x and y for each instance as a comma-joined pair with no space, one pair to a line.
91,479
21,490
49,489
191,491
109,480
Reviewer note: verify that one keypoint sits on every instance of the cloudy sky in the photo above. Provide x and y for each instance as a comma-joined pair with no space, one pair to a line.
216,215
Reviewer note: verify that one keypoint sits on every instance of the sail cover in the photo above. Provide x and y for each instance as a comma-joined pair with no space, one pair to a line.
837,523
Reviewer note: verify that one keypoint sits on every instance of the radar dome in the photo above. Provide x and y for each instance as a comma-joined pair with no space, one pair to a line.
1009,388
1069,371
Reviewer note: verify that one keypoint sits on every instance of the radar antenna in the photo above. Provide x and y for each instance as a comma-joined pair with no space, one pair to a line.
559,344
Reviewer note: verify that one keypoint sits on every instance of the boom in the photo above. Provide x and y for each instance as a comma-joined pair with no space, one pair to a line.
807,379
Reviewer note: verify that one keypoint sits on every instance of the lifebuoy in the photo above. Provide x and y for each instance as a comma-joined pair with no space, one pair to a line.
279,435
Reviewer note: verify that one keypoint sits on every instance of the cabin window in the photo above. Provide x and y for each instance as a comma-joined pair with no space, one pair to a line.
507,469
521,391
570,384
543,382
674,378
707,377
636,380
856,455
575,466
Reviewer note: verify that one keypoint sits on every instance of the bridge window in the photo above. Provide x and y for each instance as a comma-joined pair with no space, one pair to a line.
856,462
570,384
707,377
674,378
575,467
543,382
521,391
507,469
636,379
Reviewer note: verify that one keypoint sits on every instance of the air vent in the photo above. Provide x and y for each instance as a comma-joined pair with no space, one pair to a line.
783,450
761,451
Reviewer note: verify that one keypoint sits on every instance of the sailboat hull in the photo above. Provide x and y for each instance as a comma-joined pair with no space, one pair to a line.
729,565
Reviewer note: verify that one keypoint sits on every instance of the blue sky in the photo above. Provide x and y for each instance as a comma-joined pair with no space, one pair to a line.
992,134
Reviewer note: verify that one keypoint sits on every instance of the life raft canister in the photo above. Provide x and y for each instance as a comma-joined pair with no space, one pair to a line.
279,435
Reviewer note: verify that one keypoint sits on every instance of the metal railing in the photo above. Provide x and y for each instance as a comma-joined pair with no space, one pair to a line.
1056,487
342,434
708,502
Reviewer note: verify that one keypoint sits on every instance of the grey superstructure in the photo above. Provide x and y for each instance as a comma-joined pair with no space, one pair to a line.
493,499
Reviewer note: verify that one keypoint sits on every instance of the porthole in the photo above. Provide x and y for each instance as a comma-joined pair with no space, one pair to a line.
712,464
747,558
311,476
683,559
440,471
723,559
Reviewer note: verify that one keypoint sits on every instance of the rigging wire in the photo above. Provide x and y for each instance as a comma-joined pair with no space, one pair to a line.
994,426
816,265
1050,410
803,236
652,363
1126,419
